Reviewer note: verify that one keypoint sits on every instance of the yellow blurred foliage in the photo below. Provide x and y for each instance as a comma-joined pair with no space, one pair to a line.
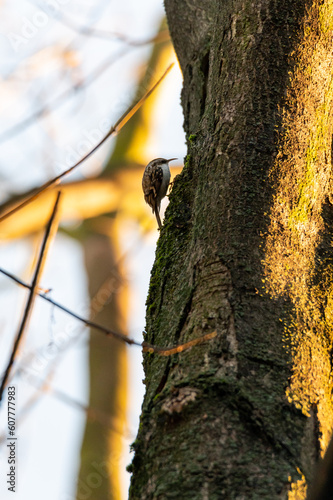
121,193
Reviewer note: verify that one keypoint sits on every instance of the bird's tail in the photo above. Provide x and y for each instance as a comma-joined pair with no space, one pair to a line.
158,218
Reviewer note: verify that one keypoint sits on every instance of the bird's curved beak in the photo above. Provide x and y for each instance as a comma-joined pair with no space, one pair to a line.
172,159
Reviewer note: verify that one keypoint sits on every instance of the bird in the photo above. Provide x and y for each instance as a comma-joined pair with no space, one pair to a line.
155,183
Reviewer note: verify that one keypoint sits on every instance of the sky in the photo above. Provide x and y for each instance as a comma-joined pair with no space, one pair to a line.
42,56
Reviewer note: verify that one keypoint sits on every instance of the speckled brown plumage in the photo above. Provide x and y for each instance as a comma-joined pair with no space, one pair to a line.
151,183
155,182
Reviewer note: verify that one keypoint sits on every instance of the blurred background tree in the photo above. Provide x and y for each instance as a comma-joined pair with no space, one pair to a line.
69,71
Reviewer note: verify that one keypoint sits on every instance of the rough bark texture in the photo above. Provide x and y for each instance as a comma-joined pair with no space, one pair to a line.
216,420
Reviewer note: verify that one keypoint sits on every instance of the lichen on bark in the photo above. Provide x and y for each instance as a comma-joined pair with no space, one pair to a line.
216,420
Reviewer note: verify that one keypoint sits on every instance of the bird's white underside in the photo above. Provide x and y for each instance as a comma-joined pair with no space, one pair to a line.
165,181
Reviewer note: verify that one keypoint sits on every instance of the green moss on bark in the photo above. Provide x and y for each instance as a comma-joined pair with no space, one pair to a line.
226,400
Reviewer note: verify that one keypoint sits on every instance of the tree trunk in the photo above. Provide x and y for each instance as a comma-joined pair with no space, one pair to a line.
244,251
99,476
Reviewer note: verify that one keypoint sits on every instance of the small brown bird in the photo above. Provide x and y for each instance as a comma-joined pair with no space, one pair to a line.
155,183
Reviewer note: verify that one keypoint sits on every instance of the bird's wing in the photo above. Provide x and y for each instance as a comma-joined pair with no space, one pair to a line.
151,184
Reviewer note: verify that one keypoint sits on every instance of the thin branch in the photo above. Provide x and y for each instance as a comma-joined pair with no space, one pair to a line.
162,36
114,129
68,46
87,322
92,414
44,386
98,33
82,84
107,35
146,347
49,233
60,99
168,351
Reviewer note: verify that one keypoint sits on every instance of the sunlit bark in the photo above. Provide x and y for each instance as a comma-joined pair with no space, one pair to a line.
246,250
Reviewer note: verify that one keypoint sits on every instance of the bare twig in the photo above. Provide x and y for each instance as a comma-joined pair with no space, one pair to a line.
44,386
115,128
146,347
68,47
93,414
168,351
82,84
162,36
49,232
98,33
87,322
60,99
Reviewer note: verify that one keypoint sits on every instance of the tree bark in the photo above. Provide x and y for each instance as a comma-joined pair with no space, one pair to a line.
244,250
